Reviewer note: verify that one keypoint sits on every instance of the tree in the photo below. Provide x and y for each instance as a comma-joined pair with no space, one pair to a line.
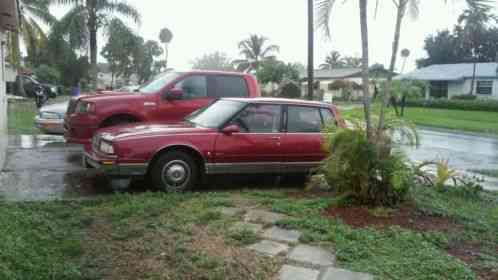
145,60
120,49
255,50
475,21
405,53
92,15
32,13
332,60
213,61
165,36
274,71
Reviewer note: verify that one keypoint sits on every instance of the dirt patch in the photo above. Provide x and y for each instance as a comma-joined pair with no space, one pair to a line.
406,216
168,254
469,252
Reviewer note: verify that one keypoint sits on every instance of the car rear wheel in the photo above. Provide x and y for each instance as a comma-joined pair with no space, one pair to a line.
175,172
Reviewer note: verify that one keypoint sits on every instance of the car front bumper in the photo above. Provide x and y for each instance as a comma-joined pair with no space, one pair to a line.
52,126
111,167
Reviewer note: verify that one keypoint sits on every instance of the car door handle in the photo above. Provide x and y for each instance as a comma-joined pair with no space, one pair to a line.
275,138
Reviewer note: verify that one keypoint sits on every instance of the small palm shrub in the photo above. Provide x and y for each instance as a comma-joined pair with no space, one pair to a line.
368,172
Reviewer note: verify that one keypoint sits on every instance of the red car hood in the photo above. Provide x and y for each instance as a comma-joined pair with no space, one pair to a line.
140,130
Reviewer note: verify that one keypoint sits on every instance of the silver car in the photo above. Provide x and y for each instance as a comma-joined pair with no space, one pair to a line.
50,118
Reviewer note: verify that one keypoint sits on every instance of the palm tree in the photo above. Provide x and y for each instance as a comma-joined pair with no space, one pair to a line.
333,60
323,9
165,36
475,20
93,15
32,13
405,53
255,51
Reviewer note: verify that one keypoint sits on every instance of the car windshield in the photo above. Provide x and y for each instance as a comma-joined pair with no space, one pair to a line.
158,83
216,114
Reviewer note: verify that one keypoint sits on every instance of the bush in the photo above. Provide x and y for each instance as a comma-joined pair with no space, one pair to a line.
47,74
369,173
290,90
464,97
456,104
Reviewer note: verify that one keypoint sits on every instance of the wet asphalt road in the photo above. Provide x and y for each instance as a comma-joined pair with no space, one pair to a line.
464,151
45,168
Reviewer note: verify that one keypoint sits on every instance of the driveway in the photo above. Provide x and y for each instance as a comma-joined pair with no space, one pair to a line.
464,151
44,168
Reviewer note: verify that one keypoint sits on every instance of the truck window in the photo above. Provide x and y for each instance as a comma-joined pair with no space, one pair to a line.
193,87
228,86
303,120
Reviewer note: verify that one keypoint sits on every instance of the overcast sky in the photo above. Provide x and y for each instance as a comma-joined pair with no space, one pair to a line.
203,26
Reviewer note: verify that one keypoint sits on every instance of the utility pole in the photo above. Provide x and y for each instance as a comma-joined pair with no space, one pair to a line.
310,49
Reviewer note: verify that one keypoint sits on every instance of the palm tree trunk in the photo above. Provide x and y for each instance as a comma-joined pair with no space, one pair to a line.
364,66
472,84
310,50
92,28
397,33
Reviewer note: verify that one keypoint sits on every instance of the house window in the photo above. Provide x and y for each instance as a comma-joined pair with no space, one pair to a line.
484,87
439,89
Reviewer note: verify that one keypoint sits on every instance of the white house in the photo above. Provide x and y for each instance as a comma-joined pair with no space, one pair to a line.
8,21
345,83
448,80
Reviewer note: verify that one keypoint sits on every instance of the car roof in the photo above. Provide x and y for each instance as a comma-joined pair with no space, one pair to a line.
197,71
282,101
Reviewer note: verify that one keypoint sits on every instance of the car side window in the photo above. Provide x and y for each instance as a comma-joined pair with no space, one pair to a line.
327,116
259,118
228,86
193,87
303,119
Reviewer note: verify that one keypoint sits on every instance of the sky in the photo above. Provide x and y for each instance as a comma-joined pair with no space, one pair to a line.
204,26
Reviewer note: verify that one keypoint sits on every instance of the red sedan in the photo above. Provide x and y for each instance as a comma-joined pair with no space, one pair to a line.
230,136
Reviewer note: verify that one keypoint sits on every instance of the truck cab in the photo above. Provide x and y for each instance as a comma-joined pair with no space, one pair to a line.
167,99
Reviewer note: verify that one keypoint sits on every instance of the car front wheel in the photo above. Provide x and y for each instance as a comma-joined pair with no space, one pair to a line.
175,172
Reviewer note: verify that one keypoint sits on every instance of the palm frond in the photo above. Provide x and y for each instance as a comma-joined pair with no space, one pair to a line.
323,14
123,9
270,49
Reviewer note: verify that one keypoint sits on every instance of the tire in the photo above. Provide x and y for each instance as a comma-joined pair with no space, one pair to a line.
175,172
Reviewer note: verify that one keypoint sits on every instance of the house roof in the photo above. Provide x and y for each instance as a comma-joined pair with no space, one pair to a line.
452,72
338,73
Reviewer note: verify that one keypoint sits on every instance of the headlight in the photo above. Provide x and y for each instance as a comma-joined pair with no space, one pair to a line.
85,107
50,116
106,147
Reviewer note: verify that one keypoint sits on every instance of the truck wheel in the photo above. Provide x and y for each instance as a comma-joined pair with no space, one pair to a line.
175,172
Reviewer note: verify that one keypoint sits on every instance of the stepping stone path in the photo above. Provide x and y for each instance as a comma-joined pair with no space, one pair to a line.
303,262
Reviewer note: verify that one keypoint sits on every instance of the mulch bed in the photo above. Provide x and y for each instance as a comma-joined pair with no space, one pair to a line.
406,216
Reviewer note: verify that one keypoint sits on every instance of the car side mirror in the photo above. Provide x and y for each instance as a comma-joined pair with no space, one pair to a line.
174,94
231,129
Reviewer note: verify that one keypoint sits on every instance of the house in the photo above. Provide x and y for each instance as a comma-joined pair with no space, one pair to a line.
448,80
8,22
342,83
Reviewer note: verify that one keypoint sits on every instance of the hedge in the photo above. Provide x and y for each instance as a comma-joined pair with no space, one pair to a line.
455,104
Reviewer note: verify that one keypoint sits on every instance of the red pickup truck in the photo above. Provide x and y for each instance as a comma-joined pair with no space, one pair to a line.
169,98
230,136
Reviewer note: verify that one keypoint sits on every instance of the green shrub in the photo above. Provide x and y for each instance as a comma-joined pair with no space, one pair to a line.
369,173
290,90
464,97
456,104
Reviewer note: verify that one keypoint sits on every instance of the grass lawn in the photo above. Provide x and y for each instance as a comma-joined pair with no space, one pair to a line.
21,115
471,121
184,236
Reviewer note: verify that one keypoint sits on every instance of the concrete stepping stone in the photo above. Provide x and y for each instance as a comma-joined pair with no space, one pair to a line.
312,255
230,211
289,272
239,226
342,274
268,247
262,216
279,234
